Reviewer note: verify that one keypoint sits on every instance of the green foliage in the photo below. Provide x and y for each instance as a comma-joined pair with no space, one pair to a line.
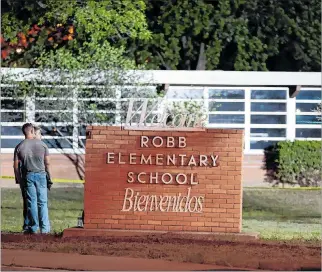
295,163
98,24
90,56
94,53
233,35
256,35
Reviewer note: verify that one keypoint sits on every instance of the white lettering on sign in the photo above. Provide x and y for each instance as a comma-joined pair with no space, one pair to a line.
164,159
160,120
164,203
166,142
144,141
170,141
182,142
163,178
110,157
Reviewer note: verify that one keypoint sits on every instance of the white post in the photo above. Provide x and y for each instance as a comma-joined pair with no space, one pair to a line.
247,120
75,119
30,108
206,104
118,107
291,118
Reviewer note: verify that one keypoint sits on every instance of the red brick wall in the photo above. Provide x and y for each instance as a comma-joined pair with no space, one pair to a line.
220,186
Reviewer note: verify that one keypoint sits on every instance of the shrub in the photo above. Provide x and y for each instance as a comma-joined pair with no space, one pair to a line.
295,163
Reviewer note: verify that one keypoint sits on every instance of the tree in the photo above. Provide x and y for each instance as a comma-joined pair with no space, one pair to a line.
102,68
232,35
34,27
244,35
290,29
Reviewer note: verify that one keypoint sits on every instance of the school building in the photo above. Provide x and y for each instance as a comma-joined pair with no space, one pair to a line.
268,106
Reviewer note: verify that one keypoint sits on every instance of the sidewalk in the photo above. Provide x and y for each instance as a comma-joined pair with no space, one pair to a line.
31,260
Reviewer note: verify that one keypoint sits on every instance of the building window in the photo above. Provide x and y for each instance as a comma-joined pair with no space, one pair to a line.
308,119
12,104
51,117
267,132
53,105
268,107
57,130
308,133
268,117
59,143
226,119
10,143
306,107
306,94
11,130
269,94
226,106
261,144
226,94
13,117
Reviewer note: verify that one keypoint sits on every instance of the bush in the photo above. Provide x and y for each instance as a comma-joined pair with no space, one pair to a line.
294,163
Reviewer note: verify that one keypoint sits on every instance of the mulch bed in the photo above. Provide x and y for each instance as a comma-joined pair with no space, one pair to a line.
258,254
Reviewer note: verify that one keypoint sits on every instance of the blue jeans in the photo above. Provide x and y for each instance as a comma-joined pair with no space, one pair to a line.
37,202
24,201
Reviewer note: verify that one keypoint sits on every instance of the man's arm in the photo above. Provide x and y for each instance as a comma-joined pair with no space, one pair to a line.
48,178
16,167
47,167
47,163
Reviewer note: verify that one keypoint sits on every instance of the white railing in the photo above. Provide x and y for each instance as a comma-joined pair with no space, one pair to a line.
260,127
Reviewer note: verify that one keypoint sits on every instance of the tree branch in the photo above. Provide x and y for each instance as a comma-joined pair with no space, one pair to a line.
162,60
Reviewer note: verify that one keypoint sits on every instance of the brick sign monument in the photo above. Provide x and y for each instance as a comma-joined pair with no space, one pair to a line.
163,180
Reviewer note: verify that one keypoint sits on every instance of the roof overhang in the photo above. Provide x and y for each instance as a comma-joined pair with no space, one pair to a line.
178,77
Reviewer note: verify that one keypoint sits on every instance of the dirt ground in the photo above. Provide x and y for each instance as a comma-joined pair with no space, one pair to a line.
264,255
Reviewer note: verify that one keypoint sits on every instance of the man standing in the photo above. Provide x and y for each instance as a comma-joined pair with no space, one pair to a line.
33,157
22,183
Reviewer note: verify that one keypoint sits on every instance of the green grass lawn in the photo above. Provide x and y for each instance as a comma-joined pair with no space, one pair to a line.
65,205
274,213
282,213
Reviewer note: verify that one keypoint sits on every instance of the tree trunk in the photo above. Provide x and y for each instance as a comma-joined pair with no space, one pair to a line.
202,60
187,62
